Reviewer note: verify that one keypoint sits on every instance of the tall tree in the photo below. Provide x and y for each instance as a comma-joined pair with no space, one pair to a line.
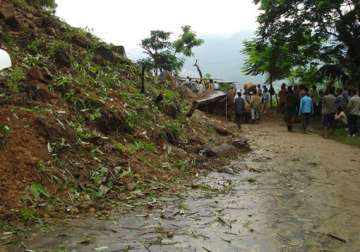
164,54
187,41
332,26
267,58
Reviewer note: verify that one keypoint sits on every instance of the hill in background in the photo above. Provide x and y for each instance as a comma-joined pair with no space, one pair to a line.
219,56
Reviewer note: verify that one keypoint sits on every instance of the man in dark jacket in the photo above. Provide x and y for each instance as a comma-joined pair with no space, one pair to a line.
291,108
239,109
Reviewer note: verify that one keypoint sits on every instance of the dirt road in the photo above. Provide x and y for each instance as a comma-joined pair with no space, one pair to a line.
294,192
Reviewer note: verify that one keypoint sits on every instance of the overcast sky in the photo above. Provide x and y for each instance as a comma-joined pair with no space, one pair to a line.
126,22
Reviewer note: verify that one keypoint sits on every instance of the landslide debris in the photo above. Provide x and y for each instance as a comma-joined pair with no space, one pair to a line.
74,127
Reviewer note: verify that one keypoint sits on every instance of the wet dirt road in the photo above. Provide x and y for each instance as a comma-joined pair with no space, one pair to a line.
294,192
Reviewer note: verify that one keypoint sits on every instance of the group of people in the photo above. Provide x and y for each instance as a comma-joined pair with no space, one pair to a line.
337,108
251,104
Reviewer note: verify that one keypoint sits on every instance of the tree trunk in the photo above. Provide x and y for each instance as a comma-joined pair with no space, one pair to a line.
199,70
143,79
271,91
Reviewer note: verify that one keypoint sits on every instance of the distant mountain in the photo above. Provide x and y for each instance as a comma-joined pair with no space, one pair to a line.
219,56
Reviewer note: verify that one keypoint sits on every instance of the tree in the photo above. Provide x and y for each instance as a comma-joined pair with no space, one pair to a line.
145,64
187,41
331,29
306,75
164,54
267,58
199,70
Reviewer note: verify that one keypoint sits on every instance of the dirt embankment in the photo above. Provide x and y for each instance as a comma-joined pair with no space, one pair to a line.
292,192
75,129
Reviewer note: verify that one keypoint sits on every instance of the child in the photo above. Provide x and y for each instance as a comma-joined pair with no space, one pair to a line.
341,118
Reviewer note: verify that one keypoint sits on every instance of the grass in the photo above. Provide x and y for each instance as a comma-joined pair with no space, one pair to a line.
342,136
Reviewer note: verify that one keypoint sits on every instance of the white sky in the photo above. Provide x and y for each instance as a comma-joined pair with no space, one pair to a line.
127,22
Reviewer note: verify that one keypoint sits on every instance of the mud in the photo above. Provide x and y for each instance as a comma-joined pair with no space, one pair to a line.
294,192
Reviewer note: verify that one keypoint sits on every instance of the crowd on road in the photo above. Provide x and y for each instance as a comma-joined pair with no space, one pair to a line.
251,104
337,108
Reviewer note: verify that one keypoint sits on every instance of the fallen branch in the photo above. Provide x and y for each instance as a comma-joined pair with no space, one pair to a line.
208,250
147,248
224,222
337,238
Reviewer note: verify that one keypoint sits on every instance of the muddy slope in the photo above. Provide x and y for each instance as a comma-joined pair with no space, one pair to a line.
74,128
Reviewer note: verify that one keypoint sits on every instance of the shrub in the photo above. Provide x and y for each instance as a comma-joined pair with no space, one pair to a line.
16,75
43,3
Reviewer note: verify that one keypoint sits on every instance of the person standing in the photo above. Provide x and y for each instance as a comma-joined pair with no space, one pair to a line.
282,98
306,109
354,113
328,111
290,108
265,99
340,100
316,99
259,90
255,103
239,110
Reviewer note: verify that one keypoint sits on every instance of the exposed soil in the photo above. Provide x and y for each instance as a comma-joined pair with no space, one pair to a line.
23,149
295,192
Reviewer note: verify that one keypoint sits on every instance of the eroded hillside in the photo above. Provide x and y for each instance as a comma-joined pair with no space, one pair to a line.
75,128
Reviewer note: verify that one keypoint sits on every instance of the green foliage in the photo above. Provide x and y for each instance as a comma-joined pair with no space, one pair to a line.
80,102
183,165
135,147
20,3
102,182
267,58
187,41
51,4
99,176
169,95
342,136
41,166
28,214
305,75
142,146
63,81
38,191
315,31
15,76
163,53
82,34
36,46
175,128
56,147
4,133
224,86
57,45
34,60
133,119
48,4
